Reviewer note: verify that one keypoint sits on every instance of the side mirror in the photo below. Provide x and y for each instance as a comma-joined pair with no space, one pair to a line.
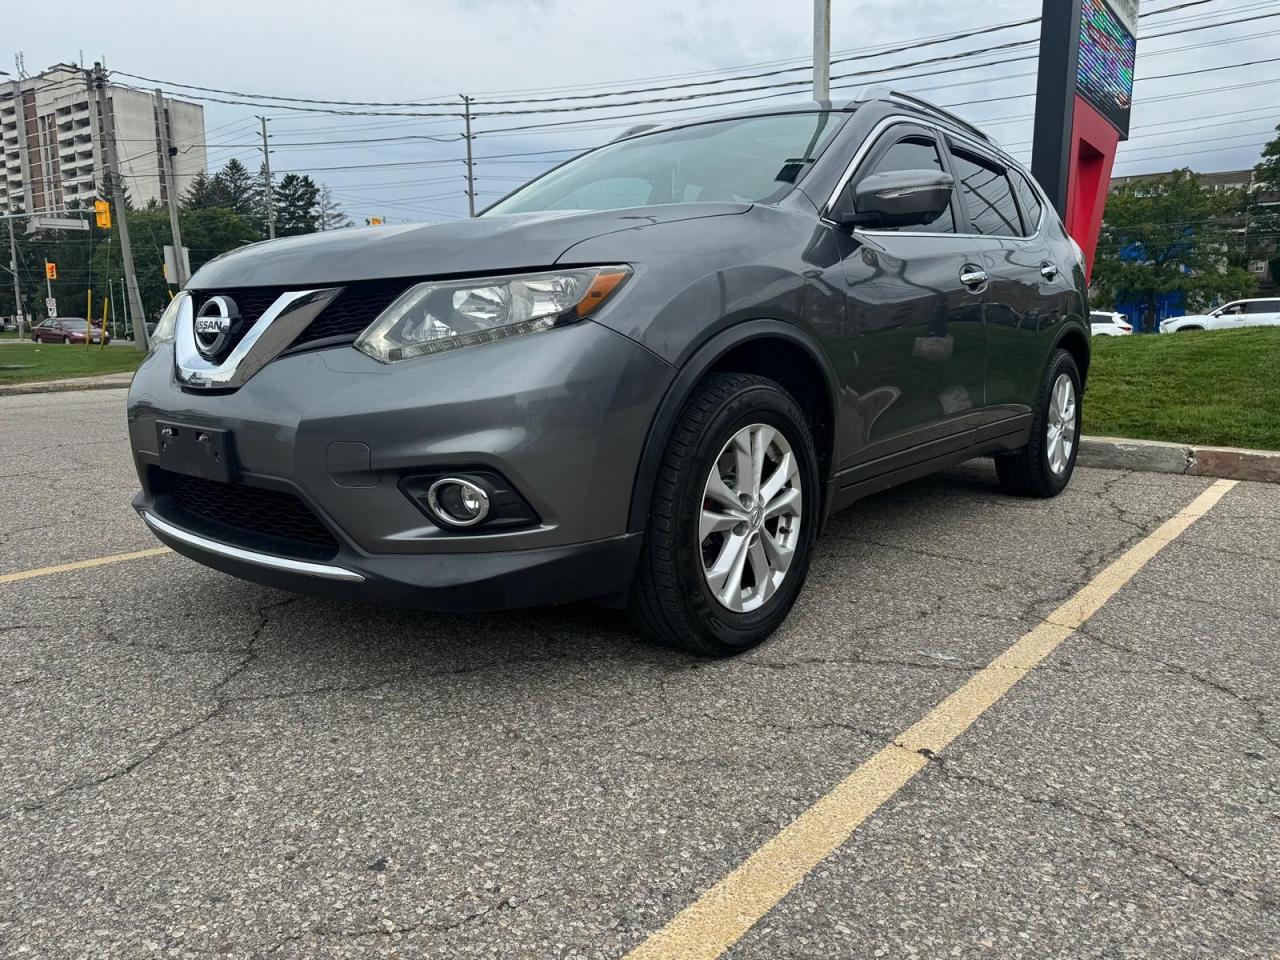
899,198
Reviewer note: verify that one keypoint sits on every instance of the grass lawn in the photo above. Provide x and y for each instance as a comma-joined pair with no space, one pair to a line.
23,363
1217,387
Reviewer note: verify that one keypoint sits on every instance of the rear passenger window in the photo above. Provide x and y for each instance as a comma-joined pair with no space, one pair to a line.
1262,306
1029,201
916,153
987,196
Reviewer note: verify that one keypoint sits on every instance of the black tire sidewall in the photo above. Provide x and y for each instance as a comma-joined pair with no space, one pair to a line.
757,403
1062,363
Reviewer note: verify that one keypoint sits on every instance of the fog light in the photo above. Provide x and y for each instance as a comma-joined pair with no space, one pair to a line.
458,502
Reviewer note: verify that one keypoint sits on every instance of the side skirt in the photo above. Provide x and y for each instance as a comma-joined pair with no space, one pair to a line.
852,485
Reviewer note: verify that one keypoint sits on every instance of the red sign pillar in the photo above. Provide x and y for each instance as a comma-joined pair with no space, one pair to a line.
1083,98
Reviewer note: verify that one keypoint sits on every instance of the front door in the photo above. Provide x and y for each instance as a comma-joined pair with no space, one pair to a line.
914,322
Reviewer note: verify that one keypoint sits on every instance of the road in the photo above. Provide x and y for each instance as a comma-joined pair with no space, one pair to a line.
192,766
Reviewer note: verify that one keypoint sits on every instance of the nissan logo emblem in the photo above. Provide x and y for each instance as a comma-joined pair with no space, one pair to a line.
215,323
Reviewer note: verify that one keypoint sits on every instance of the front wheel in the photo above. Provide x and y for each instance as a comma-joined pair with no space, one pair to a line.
1044,466
734,515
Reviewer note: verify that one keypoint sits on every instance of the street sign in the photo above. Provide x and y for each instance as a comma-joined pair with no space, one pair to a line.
50,270
51,306
36,224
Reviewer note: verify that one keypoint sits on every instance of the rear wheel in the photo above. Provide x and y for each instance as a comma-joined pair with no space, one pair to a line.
1044,466
732,522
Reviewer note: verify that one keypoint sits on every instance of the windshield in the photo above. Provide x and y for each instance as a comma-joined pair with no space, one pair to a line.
73,324
745,160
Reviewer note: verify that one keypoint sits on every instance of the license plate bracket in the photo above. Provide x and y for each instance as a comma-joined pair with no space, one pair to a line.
205,452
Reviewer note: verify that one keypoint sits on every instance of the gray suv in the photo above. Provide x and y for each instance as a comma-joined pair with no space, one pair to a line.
646,378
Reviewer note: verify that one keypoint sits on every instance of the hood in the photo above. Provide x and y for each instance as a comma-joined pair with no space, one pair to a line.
1188,316
473,246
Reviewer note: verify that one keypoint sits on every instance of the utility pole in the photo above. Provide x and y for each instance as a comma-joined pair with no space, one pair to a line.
268,195
115,313
822,49
133,296
471,172
171,188
17,284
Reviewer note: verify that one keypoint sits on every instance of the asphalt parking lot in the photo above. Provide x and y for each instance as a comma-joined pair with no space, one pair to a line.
195,766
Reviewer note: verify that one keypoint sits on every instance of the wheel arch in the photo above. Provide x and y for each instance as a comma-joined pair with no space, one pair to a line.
1076,342
776,349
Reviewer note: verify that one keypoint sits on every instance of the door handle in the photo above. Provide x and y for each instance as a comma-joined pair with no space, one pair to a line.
1048,270
973,276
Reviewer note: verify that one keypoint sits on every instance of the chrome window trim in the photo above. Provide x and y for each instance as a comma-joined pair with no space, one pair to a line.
279,324
322,570
989,150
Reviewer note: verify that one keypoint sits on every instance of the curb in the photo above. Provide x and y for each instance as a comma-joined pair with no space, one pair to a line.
1230,463
64,386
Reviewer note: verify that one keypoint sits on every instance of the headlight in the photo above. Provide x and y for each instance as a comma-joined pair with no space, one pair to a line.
164,326
443,315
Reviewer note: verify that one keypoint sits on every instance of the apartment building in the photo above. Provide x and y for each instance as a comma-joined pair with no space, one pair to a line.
51,143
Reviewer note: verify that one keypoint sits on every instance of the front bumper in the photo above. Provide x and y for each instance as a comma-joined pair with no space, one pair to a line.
561,415
457,582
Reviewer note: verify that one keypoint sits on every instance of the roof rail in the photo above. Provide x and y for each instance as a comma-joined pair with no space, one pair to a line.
884,93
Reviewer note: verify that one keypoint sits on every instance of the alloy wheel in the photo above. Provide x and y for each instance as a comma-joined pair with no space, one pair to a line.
1061,427
750,523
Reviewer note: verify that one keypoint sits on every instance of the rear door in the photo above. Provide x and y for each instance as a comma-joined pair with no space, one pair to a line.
918,345
1262,313
1028,288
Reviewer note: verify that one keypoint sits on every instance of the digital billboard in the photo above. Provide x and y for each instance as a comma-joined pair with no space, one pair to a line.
1108,49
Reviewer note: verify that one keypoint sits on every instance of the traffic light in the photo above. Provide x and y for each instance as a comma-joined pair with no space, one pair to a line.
50,270
102,214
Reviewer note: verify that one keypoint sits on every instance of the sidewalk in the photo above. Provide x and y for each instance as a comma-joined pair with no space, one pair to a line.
110,381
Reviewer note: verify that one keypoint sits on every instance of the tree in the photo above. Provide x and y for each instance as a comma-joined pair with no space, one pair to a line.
206,192
297,205
1264,218
259,212
331,216
239,190
1169,235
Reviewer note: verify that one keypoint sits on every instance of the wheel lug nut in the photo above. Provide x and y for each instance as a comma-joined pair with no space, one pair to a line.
740,530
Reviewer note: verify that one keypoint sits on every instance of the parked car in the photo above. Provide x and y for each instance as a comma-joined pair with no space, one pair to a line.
67,330
647,377
8,324
1238,313
1104,323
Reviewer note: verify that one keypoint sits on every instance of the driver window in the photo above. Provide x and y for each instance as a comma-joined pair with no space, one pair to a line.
1233,309
915,153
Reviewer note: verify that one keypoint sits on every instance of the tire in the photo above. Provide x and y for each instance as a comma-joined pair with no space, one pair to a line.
66,340
1029,472
672,601
1188,329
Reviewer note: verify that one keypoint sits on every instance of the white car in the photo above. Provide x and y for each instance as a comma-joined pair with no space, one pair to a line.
1104,323
1237,313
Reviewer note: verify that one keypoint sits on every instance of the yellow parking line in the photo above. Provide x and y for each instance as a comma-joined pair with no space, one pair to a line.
716,920
82,564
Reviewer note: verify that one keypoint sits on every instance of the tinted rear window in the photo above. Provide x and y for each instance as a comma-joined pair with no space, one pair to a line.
987,196
1101,318
1263,306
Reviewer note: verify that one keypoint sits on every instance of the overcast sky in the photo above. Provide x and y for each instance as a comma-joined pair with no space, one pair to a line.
400,51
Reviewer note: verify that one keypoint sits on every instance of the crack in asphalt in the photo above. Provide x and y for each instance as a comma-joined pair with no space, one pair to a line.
1104,819
1252,704
156,746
